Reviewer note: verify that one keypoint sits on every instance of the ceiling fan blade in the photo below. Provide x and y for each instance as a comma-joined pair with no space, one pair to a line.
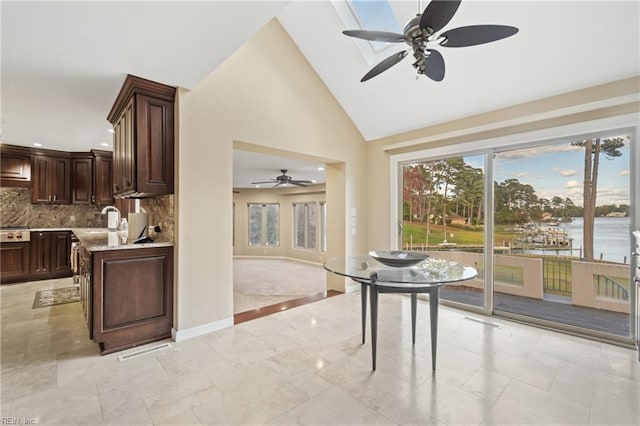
376,35
476,34
434,65
258,183
300,183
438,13
384,65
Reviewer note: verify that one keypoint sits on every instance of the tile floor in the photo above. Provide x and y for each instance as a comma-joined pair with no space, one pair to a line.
307,366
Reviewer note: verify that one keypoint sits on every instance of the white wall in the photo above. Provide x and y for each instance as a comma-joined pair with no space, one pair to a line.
267,95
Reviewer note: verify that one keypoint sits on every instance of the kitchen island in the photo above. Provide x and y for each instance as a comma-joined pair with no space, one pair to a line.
126,289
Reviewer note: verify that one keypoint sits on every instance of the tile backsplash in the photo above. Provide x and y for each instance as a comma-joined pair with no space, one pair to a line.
16,209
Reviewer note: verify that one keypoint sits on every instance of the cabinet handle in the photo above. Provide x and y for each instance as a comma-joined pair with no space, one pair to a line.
54,198
49,198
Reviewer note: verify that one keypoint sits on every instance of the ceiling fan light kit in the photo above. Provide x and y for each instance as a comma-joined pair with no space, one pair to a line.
422,30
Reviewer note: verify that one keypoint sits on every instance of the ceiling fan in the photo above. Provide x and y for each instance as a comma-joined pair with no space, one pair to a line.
283,179
422,30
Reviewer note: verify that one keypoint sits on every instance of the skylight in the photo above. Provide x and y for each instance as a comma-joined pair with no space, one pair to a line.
377,16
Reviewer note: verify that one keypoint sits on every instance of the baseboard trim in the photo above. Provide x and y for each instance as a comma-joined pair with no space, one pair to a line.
293,259
200,330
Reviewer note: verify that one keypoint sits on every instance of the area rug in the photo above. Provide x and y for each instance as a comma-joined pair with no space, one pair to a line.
56,296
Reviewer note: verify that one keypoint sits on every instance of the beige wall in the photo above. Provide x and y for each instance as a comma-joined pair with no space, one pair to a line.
285,198
266,95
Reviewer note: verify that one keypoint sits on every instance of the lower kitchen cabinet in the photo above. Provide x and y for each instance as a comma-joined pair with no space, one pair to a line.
132,294
15,262
50,255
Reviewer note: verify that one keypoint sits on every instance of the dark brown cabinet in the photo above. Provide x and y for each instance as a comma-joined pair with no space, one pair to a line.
15,262
132,293
51,183
143,143
91,177
50,254
82,177
15,166
40,253
102,178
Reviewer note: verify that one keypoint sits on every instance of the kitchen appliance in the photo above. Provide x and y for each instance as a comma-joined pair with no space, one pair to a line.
138,226
14,234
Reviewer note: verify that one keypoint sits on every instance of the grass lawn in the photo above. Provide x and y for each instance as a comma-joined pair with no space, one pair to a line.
416,233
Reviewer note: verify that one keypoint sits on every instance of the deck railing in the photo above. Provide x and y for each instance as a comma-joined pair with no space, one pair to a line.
610,288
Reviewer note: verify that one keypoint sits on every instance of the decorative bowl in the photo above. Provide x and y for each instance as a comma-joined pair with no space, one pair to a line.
398,259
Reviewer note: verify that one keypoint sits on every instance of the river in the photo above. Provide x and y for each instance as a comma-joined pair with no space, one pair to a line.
610,239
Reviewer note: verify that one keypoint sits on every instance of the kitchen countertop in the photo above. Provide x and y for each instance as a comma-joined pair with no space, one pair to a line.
101,239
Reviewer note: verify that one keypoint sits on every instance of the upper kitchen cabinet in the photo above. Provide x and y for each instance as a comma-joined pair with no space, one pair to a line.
143,144
102,177
15,166
51,183
91,176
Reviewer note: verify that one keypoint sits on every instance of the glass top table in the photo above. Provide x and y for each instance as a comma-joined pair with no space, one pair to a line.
426,276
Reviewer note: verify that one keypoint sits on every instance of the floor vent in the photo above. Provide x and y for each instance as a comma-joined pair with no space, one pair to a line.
483,322
142,352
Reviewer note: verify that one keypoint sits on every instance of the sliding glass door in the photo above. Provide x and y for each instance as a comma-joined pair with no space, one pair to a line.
443,215
561,233
558,233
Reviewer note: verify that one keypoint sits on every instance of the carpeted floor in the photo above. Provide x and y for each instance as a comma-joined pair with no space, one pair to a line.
263,282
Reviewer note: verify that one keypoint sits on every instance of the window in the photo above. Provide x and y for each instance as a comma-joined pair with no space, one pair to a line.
305,226
376,16
264,224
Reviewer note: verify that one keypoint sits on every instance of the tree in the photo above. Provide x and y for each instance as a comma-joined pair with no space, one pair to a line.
556,202
592,149
470,191
446,172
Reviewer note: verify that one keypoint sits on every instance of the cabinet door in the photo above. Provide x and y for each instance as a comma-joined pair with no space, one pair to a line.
82,180
61,190
154,128
123,153
41,183
15,169
40,253
103,190
15,262
60,251
129,149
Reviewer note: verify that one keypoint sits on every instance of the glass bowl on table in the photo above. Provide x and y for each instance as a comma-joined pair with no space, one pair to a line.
397,258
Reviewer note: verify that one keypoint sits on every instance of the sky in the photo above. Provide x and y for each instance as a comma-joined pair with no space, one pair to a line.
559,170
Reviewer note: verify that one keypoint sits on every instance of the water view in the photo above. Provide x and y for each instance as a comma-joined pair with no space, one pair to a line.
610,239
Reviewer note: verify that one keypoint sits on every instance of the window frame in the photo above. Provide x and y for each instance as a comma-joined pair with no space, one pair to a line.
264,225
307,223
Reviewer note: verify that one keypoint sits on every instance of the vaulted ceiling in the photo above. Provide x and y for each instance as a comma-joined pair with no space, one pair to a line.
64,62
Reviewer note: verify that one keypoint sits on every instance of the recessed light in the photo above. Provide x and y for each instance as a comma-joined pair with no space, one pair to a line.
104,144
37,144
313,181
257,186
320,169
110,130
